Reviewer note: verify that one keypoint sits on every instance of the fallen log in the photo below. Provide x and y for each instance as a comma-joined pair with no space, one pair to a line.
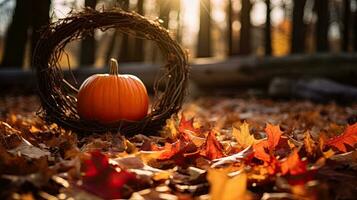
258,72
211,73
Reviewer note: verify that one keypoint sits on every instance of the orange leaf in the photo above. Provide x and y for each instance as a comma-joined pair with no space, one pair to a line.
178,150
349,136
273,133
293,164
259,151
187,126
273,137
309,144
211,149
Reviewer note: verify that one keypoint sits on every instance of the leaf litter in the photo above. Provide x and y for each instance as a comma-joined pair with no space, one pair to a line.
215,148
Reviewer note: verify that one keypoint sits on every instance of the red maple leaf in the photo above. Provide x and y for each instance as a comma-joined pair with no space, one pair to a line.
349,136
212,149
273,137
102,179
178,151
187,126
293,165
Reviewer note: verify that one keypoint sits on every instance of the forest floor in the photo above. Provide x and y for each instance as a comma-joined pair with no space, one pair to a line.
215,148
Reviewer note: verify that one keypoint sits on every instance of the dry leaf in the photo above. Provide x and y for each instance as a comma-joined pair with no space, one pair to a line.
293,164
243,136
309,144
273,134
27,149
349,136
224,187
212,149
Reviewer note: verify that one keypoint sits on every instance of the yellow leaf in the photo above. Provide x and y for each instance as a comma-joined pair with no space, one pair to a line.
225,188
164,175
243,136
148,156
170,129
309,144
33,129
328,153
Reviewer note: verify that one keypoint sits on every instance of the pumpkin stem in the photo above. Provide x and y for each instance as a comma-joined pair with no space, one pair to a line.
114,68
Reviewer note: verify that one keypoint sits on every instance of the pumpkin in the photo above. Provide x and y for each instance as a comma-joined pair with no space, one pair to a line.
108,98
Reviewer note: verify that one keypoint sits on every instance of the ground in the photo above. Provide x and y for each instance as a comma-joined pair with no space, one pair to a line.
218,148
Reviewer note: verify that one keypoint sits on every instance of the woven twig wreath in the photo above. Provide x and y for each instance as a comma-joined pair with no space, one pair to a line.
58,97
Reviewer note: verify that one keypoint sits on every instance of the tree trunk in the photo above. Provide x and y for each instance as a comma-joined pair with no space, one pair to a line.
87,56
229,28
139,43
40,19
204,34
125,50
322,25
32,14
355,30
164,15
346,25
268,48
176,5
16,35
245,35
298,32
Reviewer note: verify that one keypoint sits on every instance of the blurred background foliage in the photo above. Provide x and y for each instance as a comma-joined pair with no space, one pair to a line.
206,28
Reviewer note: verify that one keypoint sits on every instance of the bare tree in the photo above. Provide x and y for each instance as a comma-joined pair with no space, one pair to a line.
268,48
245,35
87,56
204,34
322,25
28,15
298,33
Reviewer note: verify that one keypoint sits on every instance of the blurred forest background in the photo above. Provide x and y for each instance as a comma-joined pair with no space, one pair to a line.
207,28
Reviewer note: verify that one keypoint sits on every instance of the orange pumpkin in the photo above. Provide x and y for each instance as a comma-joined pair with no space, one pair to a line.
108,98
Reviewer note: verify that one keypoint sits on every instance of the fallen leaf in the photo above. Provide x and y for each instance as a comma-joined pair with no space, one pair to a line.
212,149
178,151
27,149
243,136
224,187
273,134
293,164
102,179
349,136
186,126
273,137
259,151
309,144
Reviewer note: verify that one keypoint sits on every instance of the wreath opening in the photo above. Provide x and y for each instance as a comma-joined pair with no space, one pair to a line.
58,96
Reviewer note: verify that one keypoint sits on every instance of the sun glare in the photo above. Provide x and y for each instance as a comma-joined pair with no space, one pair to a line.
190,20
